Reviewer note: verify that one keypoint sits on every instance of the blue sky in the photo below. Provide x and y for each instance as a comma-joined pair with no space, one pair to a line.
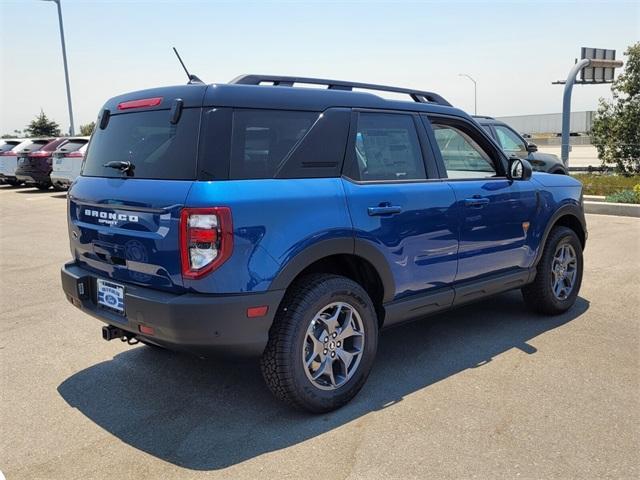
513,49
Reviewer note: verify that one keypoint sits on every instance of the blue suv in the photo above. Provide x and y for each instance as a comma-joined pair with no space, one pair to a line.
263,216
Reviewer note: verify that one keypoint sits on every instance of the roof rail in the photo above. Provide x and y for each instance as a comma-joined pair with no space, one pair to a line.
417,95
483,116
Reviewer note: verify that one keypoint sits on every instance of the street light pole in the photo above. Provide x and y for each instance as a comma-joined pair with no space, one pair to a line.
475,92
66,68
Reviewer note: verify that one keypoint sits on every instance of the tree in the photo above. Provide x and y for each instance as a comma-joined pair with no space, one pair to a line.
616,126
87,129
16,134
41,126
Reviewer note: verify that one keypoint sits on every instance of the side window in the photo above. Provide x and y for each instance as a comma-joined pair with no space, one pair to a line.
509,140
387,148
262,139
462,156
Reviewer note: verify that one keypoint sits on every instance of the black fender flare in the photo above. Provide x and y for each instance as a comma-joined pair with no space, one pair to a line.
569,209
337,246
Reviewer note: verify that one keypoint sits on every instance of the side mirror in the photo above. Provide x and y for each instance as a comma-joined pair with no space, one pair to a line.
532,147
519,169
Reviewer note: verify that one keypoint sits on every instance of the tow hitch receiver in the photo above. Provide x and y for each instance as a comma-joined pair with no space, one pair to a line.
110,332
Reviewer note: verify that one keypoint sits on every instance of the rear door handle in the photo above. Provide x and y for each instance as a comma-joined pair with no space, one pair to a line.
384,210
476,202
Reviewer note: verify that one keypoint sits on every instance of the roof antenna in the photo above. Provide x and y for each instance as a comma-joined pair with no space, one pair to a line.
192,78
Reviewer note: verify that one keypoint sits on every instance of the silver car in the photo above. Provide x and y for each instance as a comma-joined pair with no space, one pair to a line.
67,162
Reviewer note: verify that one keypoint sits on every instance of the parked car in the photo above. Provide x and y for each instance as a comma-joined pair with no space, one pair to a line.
67,161
514,144
34,165
6,145
296,223
9,158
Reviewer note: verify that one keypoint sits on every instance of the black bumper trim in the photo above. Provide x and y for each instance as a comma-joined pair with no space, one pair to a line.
193,322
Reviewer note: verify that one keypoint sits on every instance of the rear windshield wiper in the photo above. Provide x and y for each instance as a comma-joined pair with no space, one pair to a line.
125,167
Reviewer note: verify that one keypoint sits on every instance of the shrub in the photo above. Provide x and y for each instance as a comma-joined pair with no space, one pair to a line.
625,196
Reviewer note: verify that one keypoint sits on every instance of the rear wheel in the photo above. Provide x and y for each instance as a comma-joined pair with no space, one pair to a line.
559,275
322,343
43,186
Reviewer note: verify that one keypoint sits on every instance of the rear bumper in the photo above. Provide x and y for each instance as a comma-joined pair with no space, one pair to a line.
33,176
198,323
63,179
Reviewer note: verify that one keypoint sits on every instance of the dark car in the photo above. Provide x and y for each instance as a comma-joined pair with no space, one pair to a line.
514,144
35,164
295,223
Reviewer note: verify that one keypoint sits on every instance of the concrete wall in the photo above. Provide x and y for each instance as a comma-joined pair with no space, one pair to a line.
549,122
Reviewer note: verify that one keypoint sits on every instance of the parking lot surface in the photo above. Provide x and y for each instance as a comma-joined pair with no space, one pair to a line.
486,391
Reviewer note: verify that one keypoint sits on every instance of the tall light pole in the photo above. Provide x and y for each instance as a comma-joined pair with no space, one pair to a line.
475,92
66,68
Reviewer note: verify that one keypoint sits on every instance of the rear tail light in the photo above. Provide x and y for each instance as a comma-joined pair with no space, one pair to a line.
40,154
8,153
206,239
74,155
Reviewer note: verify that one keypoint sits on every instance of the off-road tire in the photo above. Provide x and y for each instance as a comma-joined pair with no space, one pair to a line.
281,363
539,295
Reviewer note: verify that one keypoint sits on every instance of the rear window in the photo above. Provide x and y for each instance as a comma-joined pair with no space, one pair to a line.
6,147
262,139
156,148
72,146
35,145
50,147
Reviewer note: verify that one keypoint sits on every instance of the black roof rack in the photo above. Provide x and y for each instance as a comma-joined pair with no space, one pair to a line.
483,116
416,95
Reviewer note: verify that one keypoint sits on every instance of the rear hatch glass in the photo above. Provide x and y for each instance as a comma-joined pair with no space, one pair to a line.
70,146
156,148
125,224
6,147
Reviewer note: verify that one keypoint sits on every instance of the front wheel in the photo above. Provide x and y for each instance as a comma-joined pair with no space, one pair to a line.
322,343
559,275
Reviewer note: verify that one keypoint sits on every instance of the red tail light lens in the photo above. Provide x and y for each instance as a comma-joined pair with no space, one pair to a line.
40,154
144,102
206,239
8,153
74,155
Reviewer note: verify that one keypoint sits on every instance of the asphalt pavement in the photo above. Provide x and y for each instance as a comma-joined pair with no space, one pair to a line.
488,391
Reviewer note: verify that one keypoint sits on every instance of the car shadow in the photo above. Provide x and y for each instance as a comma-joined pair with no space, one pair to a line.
27,189
211,414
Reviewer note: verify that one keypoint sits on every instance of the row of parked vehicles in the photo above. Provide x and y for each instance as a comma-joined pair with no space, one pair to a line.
42,162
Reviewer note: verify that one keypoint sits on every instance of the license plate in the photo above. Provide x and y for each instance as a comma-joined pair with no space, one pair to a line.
59,161
111,295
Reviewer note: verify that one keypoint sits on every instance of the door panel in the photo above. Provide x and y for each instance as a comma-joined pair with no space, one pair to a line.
493,234
412,221
495,213
419,241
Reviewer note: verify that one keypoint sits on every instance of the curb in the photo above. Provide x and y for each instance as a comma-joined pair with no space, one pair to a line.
619,209
594,198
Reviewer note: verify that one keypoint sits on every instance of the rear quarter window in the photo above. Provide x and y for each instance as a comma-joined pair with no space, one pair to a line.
261,140
157,148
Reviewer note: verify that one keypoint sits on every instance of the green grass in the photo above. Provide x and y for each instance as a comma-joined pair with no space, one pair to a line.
598,184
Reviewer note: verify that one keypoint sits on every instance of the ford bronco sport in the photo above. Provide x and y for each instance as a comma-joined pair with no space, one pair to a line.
262,216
